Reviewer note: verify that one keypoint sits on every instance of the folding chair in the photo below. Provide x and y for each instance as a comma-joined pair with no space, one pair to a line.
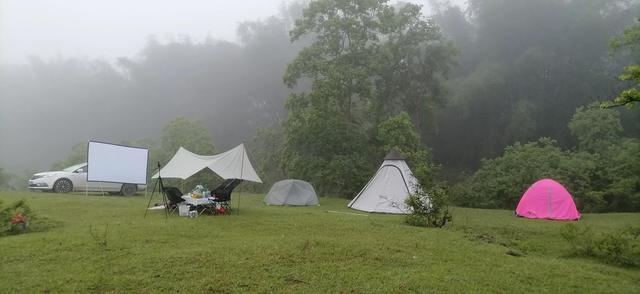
174,197
222,194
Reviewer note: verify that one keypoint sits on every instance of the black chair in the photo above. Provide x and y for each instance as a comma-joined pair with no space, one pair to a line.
222,194
174,197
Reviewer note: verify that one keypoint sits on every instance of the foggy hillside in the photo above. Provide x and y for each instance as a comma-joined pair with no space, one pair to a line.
521,68
49,105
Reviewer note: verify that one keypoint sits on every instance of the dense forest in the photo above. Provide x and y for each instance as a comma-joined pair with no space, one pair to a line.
483,99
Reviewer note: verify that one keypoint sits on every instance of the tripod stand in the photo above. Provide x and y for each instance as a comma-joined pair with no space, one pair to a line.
160,187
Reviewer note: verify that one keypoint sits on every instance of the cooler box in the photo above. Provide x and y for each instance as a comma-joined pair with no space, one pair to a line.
183,210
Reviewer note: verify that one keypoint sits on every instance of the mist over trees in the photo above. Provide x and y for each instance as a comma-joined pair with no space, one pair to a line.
525,66
233,88
488,97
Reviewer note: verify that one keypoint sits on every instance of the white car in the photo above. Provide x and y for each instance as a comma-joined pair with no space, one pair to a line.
74,178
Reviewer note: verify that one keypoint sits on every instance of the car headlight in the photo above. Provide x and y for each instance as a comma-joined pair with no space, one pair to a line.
35,177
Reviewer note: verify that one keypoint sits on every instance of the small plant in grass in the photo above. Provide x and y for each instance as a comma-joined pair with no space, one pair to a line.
15,219
621,246
19,218
428,209
581,239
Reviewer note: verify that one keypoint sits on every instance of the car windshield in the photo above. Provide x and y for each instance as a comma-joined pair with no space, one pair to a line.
74,167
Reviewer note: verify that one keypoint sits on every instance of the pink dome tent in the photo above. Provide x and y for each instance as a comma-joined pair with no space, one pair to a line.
547,199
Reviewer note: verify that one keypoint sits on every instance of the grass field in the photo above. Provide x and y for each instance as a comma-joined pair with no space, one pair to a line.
103,244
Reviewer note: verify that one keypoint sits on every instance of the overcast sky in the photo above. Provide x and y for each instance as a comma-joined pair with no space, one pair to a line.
112,28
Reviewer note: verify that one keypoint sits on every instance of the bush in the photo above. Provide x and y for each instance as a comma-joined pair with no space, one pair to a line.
15,219
581,240
428,209
603,174
500,182
606,181
620,247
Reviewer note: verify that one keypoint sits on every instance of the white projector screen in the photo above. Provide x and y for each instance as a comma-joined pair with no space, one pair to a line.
116,163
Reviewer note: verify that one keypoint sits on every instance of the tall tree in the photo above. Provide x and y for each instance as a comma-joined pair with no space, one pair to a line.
367,61
182,132
595,128
630,40
192,135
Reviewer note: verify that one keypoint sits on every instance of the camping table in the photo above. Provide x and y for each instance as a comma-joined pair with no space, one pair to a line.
201,204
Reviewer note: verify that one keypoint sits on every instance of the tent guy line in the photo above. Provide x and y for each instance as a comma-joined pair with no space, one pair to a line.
348,213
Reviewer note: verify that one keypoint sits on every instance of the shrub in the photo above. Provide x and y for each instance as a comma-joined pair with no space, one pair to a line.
428,209
500,182
620,247
581,239
605,181
15,219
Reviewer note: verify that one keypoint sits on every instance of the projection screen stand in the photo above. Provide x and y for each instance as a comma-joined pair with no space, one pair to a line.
160,188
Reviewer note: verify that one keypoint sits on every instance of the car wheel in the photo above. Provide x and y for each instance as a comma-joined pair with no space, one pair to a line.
63,186
128,189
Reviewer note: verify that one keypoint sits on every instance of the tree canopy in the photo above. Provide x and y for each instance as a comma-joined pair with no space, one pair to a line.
525,66
629,40
366,62
602,175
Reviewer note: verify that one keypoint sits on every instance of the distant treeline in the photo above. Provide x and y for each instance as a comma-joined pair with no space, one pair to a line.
361,77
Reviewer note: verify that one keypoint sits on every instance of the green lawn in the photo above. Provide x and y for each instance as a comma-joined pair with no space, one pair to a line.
293,250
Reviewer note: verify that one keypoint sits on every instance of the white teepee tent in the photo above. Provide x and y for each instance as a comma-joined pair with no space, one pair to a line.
387,190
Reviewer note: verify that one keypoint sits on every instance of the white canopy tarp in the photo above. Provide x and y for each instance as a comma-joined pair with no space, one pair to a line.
232,164
388,189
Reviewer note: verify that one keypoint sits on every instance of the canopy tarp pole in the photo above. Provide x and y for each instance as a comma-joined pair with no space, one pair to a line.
241,170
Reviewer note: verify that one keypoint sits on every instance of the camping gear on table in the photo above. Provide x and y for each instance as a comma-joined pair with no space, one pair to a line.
198,192
218,202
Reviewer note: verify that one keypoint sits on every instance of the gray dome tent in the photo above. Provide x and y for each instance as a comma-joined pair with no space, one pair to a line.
291,192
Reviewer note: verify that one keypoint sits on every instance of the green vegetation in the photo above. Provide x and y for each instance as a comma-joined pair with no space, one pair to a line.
15,219
628,40
519,70
361,77
103,244
189,134
602,174
428,209
372,67
595,129
398,132
621,246
19,218
524,68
